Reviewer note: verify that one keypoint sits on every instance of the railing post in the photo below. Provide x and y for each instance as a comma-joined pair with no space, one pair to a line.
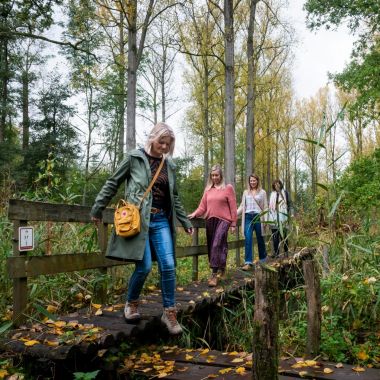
314,313
237,252
20,285
101,288
195,241
265,325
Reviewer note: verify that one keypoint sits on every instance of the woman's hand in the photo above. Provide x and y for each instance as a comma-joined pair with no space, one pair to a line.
189,231
233,229
96,220
191,216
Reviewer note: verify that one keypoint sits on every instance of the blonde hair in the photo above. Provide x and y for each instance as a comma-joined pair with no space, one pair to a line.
214,168
160,130
253,175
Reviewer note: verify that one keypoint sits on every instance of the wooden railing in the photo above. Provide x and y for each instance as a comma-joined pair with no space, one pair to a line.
21,265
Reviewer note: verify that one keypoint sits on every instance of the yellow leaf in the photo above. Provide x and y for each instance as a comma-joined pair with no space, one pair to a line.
188,357
109,308
237,360
240,371
99,312
145,370
219,290
205,351
73,324
152,287
249,363
101,353
31,342
162,374
96,305
206,294
310,363
180,289
225,370
328,370
233,353
60,324
52,343
362,355
358,369
303,373
299,364
79,296
339,365
51,308
3,373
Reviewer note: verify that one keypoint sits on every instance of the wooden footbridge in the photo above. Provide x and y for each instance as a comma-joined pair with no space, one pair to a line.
79,341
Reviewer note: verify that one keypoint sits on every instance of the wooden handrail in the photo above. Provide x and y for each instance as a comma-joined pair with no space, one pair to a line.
21,266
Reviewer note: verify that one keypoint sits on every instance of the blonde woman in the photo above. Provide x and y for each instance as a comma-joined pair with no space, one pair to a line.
218,206
253,209
159,210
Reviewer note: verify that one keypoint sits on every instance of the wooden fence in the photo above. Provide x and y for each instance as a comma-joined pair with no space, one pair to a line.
22,265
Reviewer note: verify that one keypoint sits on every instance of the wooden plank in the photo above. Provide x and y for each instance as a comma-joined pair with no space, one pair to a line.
20,285
31,266
55,212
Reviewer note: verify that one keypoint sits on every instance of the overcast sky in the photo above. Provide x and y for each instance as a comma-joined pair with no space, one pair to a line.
317,53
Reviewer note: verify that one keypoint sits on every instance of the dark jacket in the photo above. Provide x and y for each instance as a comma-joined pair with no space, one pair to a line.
135,172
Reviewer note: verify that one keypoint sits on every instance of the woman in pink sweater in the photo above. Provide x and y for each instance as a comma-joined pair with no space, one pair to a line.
218,207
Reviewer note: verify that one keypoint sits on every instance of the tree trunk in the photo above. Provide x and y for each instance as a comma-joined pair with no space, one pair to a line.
250,118
4,69
121,90
206,128
229,132
132,75
163,82
25,110
265,325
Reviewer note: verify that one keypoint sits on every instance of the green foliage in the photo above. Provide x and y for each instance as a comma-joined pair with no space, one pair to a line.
85,375
361,182
363,72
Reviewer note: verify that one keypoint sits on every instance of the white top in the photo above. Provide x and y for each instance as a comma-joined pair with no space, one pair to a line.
252,203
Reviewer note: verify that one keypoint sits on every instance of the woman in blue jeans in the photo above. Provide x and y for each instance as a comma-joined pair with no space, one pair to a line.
158,210
253,208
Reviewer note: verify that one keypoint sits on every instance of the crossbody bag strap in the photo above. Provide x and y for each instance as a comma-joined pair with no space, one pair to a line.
149,188
261,210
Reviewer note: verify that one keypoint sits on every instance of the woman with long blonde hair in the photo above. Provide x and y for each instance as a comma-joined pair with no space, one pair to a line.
218,207
158,211
253,208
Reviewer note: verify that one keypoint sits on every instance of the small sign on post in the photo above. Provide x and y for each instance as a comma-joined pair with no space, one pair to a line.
25,238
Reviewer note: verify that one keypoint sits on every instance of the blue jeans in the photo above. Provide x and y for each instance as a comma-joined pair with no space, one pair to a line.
252,223
160,240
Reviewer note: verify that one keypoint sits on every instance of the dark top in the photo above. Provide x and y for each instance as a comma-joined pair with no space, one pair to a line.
160,189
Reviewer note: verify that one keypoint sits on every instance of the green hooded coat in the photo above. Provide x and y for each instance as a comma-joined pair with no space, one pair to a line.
135,172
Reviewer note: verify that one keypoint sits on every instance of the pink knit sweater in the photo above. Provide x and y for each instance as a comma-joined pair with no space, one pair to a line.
218,203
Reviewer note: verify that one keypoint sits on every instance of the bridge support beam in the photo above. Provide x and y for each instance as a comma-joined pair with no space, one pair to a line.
314,314
265,324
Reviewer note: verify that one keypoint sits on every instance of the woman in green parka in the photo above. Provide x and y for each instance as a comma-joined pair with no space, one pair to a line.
159,210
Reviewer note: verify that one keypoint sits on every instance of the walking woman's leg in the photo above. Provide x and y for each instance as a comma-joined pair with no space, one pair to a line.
248,233
260,239
162,243
276,241
136,282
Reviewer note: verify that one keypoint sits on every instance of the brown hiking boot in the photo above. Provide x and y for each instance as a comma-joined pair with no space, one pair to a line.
213,280
169,318
222,274
131,313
